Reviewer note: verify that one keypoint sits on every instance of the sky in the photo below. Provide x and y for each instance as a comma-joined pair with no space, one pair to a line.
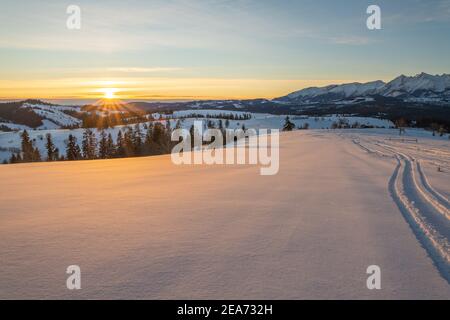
213,49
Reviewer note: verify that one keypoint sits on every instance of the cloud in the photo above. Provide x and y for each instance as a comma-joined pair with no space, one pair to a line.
420,12
143,70
145,25
350,40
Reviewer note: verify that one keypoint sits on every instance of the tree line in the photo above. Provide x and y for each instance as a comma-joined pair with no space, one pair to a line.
93,120
149,139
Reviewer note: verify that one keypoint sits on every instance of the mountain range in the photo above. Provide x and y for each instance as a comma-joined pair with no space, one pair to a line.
422,87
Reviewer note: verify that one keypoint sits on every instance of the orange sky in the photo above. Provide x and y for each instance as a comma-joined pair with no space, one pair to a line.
153,88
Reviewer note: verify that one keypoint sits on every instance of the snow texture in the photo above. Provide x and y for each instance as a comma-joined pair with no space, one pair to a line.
147,229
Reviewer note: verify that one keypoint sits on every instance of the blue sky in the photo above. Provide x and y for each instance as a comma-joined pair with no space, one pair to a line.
214,49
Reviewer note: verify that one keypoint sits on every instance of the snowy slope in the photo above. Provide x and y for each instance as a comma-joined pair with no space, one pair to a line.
53,115
144,228
14,126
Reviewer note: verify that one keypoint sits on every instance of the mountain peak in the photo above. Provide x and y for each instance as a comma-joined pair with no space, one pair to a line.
421,87
424,75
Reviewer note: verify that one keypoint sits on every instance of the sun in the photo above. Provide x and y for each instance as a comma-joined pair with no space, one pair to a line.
109,93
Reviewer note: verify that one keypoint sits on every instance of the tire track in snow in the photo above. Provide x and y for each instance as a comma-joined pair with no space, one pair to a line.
426,212
436,245
438,204
421,189
368,150
426,208
430,222
430,189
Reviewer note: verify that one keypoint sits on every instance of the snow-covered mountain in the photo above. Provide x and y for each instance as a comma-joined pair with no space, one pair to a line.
422,88
336,92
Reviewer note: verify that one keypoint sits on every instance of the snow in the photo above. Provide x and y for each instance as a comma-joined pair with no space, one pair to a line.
420,88
346,90
14,126
54,115
258,121
425,208
145,228
215,112
47,124
59,136
310,92
423,81
358,89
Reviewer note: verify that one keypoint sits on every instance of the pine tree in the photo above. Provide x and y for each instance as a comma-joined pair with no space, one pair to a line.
167,137
120,150
128,144
110,147
148,141
158,134
288,125
27,147
52,151
73,151
93,145
137,139
150,130
103,145
85,143
89,144
29,152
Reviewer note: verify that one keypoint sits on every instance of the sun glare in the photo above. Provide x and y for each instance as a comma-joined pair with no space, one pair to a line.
109,93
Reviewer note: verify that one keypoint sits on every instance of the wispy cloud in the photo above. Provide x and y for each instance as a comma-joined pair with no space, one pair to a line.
145,25
351,40
418,12
143,70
